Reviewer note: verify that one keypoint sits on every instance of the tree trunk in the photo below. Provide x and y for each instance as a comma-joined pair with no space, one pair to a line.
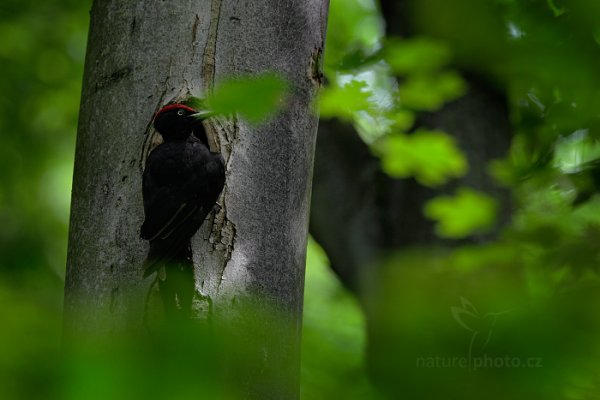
378,214
142,55
360,216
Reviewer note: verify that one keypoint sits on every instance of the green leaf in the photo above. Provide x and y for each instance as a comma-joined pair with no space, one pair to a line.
430,92
252,97
462,215
432,157
416,55
343,102
353,27
402,119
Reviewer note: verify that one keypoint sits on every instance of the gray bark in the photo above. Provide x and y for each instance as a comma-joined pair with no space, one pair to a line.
142,55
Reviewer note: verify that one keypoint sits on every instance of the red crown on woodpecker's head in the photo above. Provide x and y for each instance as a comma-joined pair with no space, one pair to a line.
177,106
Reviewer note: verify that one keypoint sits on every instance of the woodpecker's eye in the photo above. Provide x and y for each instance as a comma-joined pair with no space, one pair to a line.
180,112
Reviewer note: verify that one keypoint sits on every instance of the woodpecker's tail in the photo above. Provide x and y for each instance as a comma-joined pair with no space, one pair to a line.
175,276
163,253
152,265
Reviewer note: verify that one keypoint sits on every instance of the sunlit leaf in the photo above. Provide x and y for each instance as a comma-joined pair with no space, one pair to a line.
466,213
403,119
254,98
573,152
431,156
343,102
354,29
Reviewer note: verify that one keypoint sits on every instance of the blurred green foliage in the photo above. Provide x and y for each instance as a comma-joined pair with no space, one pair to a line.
343,101
333,336
462,215
531,291
461,333
42,48
529,295
239,96
416,56
432,157
41,59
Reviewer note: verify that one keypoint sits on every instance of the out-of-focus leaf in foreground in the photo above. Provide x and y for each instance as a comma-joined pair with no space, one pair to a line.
252,97
344,101
333,335
415,55
460,216
430,92
420,350
431,156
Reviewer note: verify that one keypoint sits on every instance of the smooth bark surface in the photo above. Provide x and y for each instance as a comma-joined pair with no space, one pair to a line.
142,55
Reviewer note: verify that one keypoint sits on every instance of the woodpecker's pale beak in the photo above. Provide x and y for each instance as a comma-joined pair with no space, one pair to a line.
204,114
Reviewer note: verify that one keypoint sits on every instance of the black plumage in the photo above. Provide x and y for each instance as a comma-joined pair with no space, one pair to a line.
181,184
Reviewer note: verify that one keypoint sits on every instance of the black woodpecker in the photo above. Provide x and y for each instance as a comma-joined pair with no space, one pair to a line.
181,184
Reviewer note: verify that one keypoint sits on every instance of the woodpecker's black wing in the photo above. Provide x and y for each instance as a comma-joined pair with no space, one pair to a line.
181,184
170,208
167,191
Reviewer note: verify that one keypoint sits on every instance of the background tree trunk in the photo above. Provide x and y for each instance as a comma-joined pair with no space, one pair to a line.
359,214
142,55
